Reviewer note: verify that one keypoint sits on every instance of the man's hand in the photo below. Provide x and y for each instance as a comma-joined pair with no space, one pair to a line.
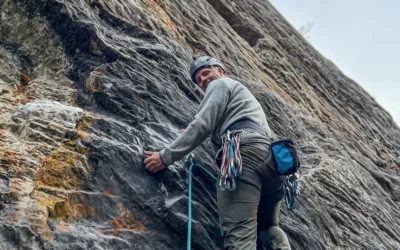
153,163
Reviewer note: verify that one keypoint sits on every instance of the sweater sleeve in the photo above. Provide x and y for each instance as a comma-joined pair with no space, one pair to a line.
208,115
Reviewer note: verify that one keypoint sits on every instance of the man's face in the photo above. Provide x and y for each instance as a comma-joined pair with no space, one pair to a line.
205,75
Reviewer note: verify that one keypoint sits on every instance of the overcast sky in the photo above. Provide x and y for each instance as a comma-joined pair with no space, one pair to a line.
362,37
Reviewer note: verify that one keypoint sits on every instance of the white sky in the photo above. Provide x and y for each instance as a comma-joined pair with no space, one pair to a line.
362,37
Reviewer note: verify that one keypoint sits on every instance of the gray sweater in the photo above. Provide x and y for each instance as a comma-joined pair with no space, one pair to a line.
225,102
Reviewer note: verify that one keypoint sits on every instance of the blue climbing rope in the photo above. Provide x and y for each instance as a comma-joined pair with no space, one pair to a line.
190,205
193,164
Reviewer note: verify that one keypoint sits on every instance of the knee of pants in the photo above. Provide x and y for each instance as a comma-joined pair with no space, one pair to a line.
275,238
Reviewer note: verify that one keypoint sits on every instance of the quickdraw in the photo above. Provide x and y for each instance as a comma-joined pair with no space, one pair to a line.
291,189
231,164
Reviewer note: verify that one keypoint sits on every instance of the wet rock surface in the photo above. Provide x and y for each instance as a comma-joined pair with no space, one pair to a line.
86,86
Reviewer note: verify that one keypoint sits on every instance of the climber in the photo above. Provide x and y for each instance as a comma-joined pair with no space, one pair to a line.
250,211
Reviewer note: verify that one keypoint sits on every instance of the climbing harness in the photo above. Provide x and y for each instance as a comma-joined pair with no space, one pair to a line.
231,160
192,165
291,189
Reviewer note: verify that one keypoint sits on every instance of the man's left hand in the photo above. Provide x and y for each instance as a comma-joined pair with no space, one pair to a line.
153,163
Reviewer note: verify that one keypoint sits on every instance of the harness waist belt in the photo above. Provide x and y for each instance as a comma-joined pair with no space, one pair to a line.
242,124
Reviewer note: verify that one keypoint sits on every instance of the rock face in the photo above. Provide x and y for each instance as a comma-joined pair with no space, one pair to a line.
86,86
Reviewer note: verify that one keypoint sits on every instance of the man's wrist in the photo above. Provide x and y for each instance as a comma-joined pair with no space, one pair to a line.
162,158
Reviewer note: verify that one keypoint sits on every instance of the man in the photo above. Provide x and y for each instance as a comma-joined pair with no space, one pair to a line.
253,206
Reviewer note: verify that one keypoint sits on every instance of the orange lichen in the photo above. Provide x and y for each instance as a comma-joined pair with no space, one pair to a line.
56,180
46,201
23,99
57,125
44,231
74,145
63,228
79,209
93,83
38,223
60,170
126,222
20,92
17,186
85,122
15,217
19,171
164,19
25,78
9,158
197,51
109,191
84,135
72,210
62,207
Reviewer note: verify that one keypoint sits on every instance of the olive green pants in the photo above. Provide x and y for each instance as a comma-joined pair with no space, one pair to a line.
246,209
238,215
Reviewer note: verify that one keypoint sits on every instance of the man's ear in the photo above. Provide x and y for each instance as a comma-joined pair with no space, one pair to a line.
220,71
